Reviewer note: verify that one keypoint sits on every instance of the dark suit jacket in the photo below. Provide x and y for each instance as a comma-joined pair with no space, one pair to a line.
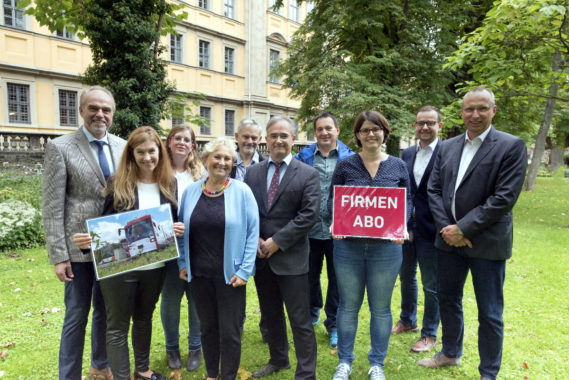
292,214
234,168
485,197
423,224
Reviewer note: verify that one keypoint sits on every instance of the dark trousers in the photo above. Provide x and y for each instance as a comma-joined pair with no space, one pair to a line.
424,253
77,298
273,290
219,308
318,250
488,281
133,294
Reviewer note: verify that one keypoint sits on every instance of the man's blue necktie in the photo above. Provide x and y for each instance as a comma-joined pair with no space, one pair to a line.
103,163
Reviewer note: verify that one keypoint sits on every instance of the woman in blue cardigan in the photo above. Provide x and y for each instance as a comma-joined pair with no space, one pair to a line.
219,268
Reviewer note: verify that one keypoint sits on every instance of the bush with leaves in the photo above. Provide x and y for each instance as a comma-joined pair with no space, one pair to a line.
20,225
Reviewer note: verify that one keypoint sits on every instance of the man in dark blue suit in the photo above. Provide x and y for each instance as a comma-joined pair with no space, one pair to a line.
474,185
420,247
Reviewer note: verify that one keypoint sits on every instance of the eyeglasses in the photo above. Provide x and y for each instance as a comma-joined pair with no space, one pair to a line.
367,131
429,123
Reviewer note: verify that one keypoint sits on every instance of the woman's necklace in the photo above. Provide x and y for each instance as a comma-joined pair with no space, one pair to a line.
216,192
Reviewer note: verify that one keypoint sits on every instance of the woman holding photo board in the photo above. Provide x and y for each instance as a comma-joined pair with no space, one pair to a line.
143,180
362,263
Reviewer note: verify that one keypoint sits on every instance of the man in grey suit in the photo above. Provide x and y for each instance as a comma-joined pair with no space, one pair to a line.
474,185
76,168
288,195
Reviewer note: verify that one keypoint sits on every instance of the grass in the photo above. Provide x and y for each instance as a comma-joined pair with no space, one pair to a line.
536,312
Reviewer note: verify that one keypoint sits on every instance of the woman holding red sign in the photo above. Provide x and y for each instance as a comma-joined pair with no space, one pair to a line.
362,263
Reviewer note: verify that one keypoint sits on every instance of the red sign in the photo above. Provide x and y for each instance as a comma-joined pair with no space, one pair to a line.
376,212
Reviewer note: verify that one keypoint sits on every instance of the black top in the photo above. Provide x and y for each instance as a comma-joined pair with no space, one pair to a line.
207,229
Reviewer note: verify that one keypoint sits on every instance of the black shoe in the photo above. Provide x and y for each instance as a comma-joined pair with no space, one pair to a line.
155,376
268,369
194,360
174,359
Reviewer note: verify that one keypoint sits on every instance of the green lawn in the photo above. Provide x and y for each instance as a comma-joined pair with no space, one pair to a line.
536,313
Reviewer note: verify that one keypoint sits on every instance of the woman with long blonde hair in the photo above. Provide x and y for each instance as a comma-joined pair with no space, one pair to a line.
143,179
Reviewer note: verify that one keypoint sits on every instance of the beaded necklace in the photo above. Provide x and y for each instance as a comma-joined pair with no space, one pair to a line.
221,189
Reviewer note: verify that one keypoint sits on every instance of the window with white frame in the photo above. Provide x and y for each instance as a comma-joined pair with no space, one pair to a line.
205,128
68,108
176,48
18,103
12,15
229,60
229,122
273,60
293,10
310,6
272,4
177,120
203,4
204,54
64,34
229,8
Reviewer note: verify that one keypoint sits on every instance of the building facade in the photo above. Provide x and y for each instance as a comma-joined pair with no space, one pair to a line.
223,50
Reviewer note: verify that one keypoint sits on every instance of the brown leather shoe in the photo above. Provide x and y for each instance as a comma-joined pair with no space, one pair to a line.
400,327
424,344
439,360
100,374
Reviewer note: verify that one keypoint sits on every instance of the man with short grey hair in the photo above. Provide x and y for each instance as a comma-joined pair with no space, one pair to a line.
287,192
248,137
77,166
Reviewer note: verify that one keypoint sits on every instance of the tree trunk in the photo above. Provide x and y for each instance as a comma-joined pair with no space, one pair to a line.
544,127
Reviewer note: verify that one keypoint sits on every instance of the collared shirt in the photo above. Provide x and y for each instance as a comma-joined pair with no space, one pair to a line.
284,165
468,151
325,167
241,168
95,149
422,159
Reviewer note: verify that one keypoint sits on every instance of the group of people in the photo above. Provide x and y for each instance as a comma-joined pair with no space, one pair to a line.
275,216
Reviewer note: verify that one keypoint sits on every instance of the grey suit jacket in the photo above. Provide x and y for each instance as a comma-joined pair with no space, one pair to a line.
293,212
485,197
73,186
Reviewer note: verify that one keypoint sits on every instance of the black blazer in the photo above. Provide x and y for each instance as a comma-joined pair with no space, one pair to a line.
423,225
293,212
485,197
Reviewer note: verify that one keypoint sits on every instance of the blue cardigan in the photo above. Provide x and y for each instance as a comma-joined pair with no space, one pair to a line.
241,229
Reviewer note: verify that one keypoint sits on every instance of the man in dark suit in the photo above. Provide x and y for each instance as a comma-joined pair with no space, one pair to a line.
288,195
420,247
248,137
475,183
77,166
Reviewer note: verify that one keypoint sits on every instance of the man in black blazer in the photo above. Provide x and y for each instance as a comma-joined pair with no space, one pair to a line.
475,183
420,247
288,195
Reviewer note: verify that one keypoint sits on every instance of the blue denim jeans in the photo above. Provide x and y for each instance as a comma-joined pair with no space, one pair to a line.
78,296
360,264
172,293
424,252
488,281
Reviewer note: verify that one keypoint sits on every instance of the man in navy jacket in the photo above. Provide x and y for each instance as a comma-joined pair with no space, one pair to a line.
420,248
323,156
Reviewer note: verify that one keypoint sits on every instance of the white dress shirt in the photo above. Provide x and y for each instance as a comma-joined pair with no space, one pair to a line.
422,159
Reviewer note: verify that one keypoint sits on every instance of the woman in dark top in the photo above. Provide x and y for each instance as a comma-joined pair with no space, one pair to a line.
219,268
143,179
362,263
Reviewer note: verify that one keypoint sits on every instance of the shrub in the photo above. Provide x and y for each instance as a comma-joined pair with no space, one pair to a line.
23,188
20,225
